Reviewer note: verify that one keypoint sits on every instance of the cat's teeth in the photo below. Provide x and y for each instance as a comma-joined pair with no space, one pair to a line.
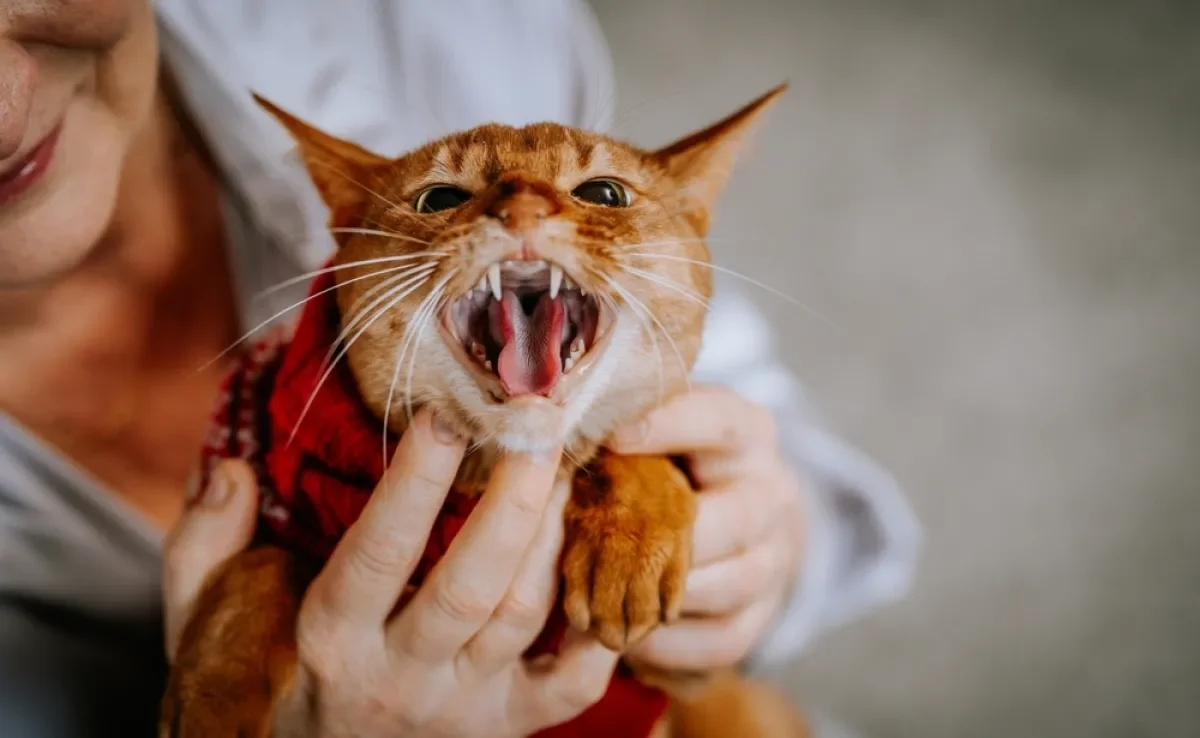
493,277
556,278
487,364
568,363
478,351
576,350
483,284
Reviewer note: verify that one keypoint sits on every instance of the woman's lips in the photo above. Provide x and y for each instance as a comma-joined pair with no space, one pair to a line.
28,171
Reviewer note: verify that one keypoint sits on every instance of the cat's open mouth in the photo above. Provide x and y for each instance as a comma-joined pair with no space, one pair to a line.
526,325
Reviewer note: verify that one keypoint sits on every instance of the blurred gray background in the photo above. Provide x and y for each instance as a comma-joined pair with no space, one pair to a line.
997,203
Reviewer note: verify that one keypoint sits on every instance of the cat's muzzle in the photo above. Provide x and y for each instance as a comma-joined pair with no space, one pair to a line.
527,329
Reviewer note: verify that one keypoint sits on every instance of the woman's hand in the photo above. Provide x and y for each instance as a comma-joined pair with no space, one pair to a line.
450,662
749,534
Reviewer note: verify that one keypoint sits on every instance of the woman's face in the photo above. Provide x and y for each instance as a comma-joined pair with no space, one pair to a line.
77,78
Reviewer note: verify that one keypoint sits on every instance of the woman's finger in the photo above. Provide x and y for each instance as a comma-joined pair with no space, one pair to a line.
367,571
476,572
555,692
523,612
726,586
729,520
700,644
705,419
217,524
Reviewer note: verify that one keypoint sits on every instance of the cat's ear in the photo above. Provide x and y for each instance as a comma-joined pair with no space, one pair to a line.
701,162
341,170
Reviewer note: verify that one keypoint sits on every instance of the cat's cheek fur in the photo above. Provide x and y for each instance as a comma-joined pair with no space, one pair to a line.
595,407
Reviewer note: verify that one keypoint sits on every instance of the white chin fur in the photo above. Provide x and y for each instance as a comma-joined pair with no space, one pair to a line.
530,425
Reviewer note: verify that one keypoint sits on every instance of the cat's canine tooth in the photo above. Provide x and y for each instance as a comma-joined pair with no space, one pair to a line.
556,280
568,363
493,277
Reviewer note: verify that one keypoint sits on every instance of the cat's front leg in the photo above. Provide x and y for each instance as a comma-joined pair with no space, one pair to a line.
628,547
237,653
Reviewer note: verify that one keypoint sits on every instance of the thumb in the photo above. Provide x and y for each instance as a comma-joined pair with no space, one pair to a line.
217,524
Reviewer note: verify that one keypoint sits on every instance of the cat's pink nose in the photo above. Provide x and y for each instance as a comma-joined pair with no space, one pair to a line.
523,211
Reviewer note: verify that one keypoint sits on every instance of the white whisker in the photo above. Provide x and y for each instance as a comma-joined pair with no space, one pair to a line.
365,262
572,458
662,383
387,408
433,302
665,242
739,275
355,182
292,307
342,352
381,234
664,282
637,304
654,244
387,287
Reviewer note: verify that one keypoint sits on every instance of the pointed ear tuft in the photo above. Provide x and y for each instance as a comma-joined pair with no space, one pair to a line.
341,170
702,161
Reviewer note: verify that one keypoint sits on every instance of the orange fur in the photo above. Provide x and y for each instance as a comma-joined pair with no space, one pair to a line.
629,522
238,651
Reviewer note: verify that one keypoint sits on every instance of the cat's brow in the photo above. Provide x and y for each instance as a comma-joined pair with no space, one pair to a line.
459,157
583,150
599,162
442,169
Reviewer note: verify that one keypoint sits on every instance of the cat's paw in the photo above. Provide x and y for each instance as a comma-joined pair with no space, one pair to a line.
200,711
237,654
627,550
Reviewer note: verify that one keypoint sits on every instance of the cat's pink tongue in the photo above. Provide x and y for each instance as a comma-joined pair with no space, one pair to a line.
530,361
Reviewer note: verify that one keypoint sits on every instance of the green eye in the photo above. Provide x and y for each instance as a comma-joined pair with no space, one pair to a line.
440,197
604,192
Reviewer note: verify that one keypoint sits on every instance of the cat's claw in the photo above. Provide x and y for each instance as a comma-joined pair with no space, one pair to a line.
620,588
625,561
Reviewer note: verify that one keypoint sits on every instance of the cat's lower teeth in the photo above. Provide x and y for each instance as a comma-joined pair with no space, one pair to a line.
479,353
576,350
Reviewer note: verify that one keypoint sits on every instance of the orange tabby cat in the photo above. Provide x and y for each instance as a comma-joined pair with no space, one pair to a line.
561,267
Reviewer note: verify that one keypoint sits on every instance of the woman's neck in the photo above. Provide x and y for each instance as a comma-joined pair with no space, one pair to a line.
103,363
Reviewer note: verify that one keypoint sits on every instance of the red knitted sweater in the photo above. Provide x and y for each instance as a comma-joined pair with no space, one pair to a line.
315,486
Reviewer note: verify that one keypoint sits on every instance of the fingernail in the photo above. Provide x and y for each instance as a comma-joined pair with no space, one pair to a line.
219,489
632,435
191,492
443,431
546,457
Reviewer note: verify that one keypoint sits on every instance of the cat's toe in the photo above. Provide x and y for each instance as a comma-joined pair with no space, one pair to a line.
619,587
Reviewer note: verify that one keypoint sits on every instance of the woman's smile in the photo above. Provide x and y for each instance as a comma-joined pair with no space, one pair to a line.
29,168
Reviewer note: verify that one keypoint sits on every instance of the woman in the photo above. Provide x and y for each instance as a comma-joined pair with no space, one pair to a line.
144,201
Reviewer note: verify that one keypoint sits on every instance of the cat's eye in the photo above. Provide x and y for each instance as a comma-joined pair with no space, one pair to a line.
604,192
440,197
